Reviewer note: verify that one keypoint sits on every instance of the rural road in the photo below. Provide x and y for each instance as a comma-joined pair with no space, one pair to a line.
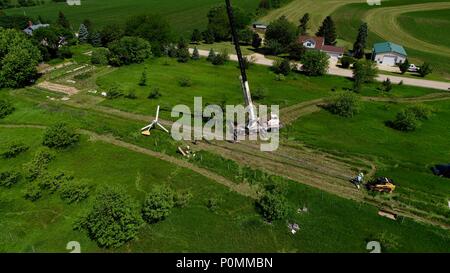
337,71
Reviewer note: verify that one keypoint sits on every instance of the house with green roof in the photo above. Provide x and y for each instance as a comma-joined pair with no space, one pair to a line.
388,54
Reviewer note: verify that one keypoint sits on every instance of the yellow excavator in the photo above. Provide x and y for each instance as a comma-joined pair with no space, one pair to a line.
381,184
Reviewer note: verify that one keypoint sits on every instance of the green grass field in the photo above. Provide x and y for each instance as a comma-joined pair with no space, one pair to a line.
332,225
217,84
431,26
184,16
405,156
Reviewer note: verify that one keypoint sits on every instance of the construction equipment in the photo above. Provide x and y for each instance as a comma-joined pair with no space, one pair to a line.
146,130
381,184
254,124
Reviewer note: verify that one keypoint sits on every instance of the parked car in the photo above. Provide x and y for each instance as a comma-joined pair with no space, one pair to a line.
413,68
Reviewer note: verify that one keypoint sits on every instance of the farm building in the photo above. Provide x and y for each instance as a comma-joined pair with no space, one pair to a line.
31,27
259,26
388,53
318,43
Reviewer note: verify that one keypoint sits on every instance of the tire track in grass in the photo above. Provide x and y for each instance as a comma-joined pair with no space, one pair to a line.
242,188
384,22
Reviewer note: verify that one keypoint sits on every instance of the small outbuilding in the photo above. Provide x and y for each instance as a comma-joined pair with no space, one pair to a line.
388,53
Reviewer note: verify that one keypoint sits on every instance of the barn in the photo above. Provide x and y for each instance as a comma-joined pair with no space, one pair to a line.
388,53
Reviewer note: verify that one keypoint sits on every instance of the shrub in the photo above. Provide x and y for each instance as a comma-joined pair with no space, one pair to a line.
100,56
273,206
387,85
39,164
211,55
345,104
405,121
221,58
14,150
53,182
131,95
347,61
425,69
65,52
6,108
280,77
83,76
195,54
282,67
60,135
74,192
213,203
181,199
296,51
33,192
10,178
315,63
364,71
404,66
158,204
114,93
421,111
154,94
113,219
259,94
185,82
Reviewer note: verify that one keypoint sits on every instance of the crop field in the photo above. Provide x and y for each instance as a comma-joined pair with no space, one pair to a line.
184,16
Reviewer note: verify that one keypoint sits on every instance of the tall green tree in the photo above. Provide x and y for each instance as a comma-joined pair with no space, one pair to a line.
63,21
281,32
113,219
153,28
83,34
304,24
196,36
219,24
364,71
18,59
183,55
328,31
361,41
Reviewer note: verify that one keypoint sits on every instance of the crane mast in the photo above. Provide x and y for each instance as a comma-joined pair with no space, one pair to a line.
253,119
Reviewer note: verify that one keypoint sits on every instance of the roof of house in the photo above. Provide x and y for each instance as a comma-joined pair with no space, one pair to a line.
318,40
333,49
320,44
389,47
31,28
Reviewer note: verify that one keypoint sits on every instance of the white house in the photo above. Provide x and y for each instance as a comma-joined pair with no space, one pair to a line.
31,27
318,43
388,53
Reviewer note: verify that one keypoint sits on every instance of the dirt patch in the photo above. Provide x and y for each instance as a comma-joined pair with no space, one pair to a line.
68,90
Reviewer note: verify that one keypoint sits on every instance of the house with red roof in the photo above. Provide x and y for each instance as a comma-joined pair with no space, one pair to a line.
318,43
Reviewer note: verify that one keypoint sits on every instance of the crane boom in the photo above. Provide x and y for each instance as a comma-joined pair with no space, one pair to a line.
253,119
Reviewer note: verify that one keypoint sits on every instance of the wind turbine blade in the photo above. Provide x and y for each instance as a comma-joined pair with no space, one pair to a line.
157,114
162,127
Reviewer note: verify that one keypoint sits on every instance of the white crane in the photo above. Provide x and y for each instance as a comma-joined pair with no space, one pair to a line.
253,120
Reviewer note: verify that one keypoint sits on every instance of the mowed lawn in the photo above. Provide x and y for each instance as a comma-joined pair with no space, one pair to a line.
184,16
348,18
431,26
215,84
406,157
331,225
220,84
